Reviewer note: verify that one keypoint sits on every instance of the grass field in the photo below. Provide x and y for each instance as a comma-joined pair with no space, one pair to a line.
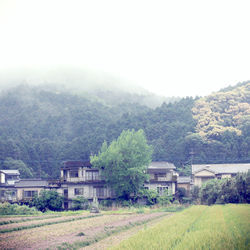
198,227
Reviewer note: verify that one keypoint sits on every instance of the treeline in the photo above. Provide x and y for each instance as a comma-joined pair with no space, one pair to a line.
41,128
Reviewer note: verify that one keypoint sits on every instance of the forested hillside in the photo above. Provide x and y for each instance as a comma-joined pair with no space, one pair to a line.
40,128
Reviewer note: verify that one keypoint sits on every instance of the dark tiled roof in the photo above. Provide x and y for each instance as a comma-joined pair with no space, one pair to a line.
231,168
31,183
161,165
184,179
76,164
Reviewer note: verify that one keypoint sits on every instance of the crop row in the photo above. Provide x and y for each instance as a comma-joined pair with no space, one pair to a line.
106,233
199,227
8,230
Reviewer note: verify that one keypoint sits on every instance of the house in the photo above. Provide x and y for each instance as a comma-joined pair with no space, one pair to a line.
79,178
162,177
29,188
184,182
204,172
8,178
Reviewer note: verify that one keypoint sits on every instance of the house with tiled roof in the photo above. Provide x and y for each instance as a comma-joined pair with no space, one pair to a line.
184,182
80,178
204,172
8,178
29,188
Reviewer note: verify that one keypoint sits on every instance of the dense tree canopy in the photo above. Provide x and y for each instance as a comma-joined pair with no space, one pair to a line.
124,162
40,127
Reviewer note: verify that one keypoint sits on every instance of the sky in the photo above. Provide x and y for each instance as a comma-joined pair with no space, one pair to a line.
171,48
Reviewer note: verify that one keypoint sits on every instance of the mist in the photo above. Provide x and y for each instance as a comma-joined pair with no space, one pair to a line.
67,77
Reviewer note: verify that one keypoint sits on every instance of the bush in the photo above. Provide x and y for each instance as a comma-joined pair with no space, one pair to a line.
181,194
14,209
151,196
48,200
80,203
233,190
165,199
106,203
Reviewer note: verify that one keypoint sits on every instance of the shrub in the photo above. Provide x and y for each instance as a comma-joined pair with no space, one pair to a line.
14,209
80,203
165,199
48,200
106,203
181,194
233,190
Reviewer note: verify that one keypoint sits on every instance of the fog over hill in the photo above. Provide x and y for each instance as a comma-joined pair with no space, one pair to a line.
96,85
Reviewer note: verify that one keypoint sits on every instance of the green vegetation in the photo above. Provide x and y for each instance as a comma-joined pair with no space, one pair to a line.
233,190
80,203
199,227
40,128
14,209
48,200
124,162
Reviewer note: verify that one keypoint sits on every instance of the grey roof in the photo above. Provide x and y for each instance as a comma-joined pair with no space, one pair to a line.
231,168
10,171
161,165
31,183
183,179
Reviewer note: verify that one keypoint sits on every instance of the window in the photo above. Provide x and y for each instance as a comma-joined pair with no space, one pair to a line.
99,191
161,190
95,175
12,177
2,192
30,194
73,173
78,191
92,175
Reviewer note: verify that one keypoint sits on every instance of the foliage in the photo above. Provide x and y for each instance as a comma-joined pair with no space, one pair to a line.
165,199
124,162
10,163
106,203
48,200
151,196
233,190
40,128
195,193
181,194
15,209
80,203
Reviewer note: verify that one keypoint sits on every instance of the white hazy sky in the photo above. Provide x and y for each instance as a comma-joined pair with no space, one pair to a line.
168,47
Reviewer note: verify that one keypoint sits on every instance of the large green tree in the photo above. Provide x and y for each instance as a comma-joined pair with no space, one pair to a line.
124,162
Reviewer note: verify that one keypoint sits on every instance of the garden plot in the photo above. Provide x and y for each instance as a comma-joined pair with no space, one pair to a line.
72,234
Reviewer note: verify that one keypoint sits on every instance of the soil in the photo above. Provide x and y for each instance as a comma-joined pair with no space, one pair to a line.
82,230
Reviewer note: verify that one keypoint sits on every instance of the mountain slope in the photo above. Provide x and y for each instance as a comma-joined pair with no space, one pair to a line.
41,127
